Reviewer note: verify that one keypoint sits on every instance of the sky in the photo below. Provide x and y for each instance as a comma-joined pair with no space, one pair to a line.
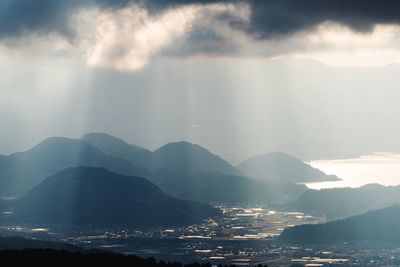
316,79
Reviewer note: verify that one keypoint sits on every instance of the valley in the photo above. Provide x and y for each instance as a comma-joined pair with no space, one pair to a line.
243,236
183,203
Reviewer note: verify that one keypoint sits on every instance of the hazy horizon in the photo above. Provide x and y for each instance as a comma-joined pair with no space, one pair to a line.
220,74
312,118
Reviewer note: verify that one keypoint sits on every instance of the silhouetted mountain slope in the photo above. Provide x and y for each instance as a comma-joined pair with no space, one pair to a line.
190,171
50,257
379,225
222,188
180,157
18,243
339,203
118,148
21,171
95,196
186,158
282,167
181,169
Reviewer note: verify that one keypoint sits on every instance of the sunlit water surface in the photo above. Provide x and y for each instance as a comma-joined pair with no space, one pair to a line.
382,168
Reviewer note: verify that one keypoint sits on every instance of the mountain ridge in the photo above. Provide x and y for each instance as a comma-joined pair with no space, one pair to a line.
339,203
376,225
96,196
20,171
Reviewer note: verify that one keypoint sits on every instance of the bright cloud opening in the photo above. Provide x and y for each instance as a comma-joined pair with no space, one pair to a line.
126,39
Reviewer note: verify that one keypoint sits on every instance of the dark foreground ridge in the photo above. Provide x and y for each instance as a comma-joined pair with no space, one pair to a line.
20,250
67,258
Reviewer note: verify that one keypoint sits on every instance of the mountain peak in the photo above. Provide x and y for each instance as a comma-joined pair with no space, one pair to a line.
24,169
185,157
120,149
100,135
276,155
55,140
183,146
104,139
56,144
282,166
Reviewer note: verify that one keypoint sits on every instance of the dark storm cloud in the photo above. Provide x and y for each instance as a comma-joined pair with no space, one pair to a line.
269,18
281,17
19,17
